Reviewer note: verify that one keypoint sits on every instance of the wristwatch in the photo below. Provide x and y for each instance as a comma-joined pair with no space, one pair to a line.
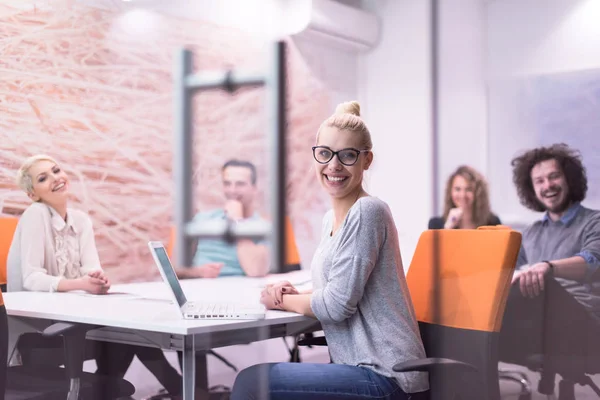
549,264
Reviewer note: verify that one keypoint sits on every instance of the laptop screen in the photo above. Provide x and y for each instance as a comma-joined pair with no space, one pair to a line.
169,273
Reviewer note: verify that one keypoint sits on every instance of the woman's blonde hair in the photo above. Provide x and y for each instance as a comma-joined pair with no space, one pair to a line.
347,117
23,179
481,199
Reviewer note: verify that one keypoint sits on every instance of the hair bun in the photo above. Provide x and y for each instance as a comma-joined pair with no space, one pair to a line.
348,107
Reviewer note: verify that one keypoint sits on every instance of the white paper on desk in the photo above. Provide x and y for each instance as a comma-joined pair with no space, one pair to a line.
112,295
159,299
296,278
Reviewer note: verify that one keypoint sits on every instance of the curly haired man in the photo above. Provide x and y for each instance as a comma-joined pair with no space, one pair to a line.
554,304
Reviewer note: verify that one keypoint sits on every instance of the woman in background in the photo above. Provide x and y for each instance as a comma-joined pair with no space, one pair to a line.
466,202
54,249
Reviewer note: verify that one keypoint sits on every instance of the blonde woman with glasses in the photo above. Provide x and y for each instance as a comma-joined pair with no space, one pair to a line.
359,294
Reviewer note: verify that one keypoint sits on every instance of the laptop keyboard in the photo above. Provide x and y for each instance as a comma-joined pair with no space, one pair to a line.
223,311
213,308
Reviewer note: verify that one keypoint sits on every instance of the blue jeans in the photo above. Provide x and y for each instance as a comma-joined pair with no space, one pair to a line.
299,381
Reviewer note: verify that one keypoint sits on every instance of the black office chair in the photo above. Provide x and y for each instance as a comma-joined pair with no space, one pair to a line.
573,365
70,382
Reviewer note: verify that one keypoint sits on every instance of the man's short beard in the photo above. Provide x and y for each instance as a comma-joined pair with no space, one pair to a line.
562,207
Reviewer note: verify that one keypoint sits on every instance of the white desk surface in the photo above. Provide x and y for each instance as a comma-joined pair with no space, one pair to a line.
148,307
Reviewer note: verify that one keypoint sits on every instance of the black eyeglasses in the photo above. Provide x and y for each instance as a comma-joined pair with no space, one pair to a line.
348,157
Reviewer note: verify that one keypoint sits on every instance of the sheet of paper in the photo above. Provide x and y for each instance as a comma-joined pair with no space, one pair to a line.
109,294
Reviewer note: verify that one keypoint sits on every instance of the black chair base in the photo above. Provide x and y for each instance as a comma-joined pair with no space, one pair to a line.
216,393
546,384
566,387
26,383
571,369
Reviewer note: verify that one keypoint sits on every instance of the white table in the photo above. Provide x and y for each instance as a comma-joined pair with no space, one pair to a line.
146,316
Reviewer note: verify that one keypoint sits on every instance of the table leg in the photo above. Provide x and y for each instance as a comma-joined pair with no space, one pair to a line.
189,367
201,371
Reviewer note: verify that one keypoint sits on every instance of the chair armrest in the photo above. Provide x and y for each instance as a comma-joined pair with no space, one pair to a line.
312,341
67,328
433,364
59,328
449,379
74,344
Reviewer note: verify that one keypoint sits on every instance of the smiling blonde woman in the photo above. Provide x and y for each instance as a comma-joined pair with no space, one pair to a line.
359,292
53,250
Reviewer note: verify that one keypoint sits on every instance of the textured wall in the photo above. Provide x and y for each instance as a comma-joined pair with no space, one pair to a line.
93,89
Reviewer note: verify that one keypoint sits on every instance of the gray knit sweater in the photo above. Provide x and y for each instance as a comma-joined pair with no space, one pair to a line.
360,294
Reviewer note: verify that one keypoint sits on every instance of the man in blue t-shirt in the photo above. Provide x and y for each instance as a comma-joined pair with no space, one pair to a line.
215,257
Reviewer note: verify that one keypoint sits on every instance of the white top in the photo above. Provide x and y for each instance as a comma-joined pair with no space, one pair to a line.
46,249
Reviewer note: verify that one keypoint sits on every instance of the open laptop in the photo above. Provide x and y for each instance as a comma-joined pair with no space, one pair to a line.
199,310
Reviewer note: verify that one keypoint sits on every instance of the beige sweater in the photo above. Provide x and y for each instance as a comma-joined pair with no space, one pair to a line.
46,249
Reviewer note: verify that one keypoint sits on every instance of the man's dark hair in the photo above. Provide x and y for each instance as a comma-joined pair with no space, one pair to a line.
570,162
244,164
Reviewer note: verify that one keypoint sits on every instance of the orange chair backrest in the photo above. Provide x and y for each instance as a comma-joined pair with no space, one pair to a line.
171,244
475,269
292,255
8,225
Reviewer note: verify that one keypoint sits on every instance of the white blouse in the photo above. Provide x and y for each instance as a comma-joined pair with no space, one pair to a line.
46,249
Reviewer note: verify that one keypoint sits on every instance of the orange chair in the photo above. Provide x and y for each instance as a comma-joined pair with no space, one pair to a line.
459,281
474,266
3,345
292,255
8,225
